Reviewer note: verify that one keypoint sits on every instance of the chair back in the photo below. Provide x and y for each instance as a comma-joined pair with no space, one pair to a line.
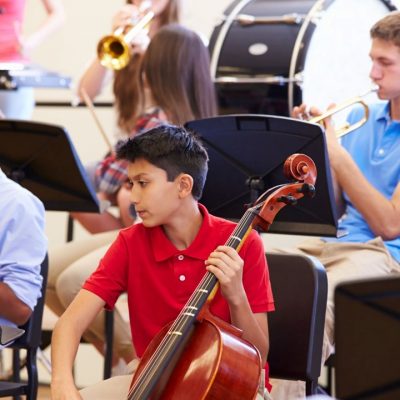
33,327
30,341
296,327
367,332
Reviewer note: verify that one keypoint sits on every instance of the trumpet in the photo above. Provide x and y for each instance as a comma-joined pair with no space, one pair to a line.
346,128
114,51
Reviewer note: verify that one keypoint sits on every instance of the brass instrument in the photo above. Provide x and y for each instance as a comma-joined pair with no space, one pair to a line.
114,51
346,128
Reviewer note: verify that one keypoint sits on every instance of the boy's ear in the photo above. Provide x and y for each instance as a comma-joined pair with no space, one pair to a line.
185,182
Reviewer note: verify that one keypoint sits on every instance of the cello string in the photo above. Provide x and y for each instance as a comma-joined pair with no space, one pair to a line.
168,341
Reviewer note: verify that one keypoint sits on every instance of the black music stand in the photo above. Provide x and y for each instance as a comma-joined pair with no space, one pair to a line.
367,332
247,153
42,158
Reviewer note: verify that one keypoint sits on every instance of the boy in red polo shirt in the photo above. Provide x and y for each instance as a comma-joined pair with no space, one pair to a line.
160,261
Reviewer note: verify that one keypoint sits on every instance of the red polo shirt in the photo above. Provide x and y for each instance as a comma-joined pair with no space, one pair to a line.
159,279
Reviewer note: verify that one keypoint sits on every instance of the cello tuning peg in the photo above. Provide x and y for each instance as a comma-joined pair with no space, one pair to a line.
290,200
307,189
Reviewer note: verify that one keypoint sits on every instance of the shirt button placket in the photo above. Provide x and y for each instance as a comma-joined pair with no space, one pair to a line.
182,277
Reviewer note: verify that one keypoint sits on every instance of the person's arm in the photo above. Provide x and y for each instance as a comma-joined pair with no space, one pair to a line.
304,112
65,341
94,79
55,18
23,248
226,264
11,307
381,214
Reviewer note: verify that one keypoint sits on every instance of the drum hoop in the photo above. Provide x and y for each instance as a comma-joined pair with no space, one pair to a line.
296,50
389,5
299,40
222,35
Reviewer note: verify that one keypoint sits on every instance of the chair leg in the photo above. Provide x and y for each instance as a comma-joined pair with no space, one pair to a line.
70,229
109,338
311,388
330,365
31,366
16,367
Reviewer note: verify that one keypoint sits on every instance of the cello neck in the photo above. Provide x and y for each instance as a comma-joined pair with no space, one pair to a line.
184,323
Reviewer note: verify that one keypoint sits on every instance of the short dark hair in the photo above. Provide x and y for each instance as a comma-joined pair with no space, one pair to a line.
388,28
171,148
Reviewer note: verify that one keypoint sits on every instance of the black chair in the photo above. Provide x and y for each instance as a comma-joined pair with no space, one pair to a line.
30,341
367,332
296,328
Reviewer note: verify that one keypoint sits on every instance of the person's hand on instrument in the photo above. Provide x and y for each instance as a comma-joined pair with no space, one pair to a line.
305,112
226,264
126,18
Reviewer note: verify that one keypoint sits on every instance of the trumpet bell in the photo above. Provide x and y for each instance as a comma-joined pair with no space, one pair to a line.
113,52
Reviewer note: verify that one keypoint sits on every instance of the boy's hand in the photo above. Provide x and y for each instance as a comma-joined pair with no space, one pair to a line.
226,264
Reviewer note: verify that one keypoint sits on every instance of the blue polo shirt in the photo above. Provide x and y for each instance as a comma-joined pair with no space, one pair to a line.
375,147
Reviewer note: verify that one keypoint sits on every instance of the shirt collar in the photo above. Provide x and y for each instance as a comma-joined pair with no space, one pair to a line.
384,113
164,249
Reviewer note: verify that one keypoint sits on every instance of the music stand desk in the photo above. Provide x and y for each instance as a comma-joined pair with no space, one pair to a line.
246,157
42,158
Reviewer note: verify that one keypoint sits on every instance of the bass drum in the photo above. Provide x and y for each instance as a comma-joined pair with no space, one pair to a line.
269,55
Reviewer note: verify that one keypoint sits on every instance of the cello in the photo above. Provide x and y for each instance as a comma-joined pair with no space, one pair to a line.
199,356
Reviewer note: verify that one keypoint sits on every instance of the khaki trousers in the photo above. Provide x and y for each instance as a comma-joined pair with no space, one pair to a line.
117,388
343,262
70,265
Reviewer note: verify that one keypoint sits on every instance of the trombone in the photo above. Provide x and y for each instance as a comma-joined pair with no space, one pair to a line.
346,128
114,51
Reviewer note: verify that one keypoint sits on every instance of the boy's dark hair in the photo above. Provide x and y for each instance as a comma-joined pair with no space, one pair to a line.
173,149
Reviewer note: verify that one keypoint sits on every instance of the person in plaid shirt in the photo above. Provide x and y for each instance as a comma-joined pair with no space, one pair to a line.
176,87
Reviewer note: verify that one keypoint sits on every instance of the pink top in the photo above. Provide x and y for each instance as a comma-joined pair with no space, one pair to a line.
11,19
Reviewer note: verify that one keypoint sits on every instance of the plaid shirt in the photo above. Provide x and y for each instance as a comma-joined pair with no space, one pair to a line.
111,173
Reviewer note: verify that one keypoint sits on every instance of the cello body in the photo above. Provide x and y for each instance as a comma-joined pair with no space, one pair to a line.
214,363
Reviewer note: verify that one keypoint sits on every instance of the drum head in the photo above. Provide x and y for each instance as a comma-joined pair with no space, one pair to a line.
267,68
337,64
